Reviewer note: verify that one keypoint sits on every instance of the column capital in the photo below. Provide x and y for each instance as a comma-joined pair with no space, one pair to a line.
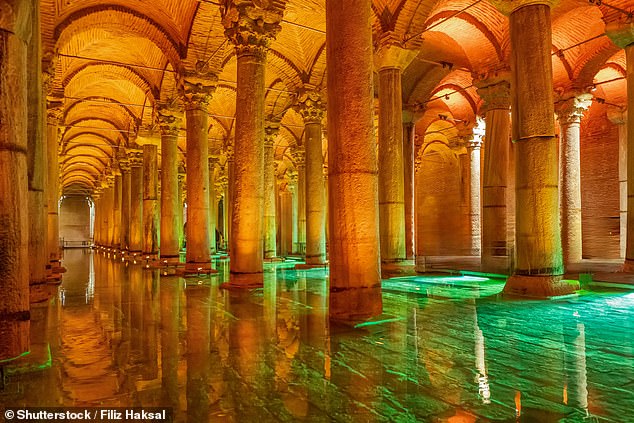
251,25
170,118
299,156
621,33
571,108
311,106
54,110
229,150
390,53
135,158
495,91
507,7
212,161
196,90
271,131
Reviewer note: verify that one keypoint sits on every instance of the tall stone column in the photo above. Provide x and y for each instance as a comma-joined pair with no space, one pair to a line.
170,118
196,94
116,209
136,201
181,206
474,146
409,134
299,157
355,280
96,197
14,230
390,60
312,108
538,265
213,206
619,118
150,202
293,188
54,114
569,112
286,222
622,34
228,203
126,187
250,27
108,222
272,130
496,93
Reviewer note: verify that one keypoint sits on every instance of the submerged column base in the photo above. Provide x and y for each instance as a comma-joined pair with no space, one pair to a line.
398,268
355,304
500,265
244,281
540,286
204,268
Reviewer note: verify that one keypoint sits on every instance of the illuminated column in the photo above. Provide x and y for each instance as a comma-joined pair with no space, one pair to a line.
228,203
293,188
355,280
272,130
213,206
14,271
170,118
496,94
251,32
473,149
108,220
622,34
409,133
538,265
569,113
312,108
286,221
299,158
54,114
390,60
196,94
116,209
96,197
126,185
150,201
136,201
181,206
619,118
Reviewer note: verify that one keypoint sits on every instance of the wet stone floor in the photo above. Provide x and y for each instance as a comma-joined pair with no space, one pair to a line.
446,349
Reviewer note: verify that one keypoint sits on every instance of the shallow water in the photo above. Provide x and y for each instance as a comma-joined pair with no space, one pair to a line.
446,349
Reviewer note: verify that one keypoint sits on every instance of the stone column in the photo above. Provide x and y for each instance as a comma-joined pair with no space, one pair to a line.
272,130
108,222
299,158
390,60
96,197
569,113
54,114
473,149
355,280
251,30
293,189
228,203
286,222
312,108
496,93
213,207
14,230
136,201
622,34
619,118
196,94
409,134
150,202
538,265
170,118
181,206
126,187
116,209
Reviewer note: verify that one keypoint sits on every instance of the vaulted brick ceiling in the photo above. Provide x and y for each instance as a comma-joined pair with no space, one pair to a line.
118,59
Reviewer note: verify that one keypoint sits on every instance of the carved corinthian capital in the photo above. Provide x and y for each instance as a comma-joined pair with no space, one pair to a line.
310,106
196,90
170,117
252,24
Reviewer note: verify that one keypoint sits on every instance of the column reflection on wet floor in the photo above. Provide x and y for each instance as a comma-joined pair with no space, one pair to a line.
445,349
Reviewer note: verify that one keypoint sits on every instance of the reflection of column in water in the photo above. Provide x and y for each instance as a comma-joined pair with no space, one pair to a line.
219,350
170,312
576,384
270,299
136,308
150,320
481,378
123,352
198,331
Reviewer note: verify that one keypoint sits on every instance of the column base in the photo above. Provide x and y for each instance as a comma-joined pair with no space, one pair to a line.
307,266
273,259
355,304
244,281
628,266
398,268
542,286
194,269
500,265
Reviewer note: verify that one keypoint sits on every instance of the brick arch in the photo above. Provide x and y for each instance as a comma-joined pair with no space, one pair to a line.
112,102
128,72
125,20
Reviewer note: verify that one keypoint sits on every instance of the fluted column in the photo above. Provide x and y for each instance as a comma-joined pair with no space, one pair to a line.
213,207
14,235
538,265
312,108
496,93
355,281
409,134
136,201
622,34
126,186
54,114
196,94
150,202
569,113
272,130
251,29
299,157
390,59
170,117
619,118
